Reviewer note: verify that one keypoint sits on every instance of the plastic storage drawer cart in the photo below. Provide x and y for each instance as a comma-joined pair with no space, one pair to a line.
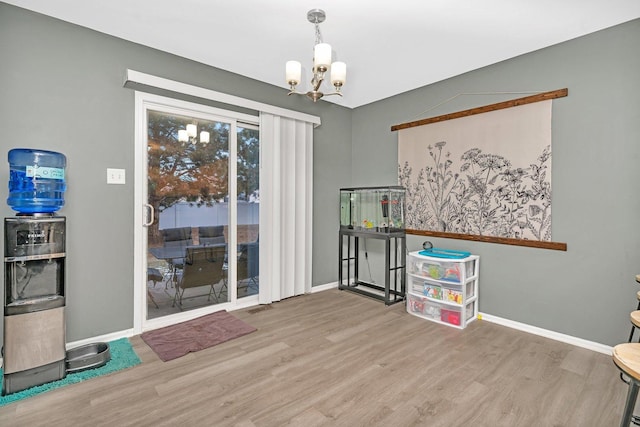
443,290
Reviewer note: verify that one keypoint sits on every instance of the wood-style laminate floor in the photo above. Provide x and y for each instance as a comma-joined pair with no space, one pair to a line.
337,358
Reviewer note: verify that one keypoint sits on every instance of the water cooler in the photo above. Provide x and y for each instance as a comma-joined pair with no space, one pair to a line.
34,260
34,323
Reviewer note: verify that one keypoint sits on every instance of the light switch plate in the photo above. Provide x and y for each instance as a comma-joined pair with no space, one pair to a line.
115,176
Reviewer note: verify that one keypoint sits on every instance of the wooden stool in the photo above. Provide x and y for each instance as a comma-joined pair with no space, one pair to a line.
634,325
627,358
635,320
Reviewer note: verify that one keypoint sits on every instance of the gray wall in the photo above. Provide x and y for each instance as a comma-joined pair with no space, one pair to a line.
589,290
61,89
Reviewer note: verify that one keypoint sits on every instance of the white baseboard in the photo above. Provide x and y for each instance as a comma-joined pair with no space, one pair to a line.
579,342
102,338
324,287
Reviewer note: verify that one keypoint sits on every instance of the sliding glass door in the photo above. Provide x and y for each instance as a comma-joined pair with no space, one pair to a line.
202,203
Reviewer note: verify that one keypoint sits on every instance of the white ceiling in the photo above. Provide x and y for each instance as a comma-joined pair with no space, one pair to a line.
389,46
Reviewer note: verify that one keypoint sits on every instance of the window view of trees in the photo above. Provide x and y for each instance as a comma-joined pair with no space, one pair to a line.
248,164
194,171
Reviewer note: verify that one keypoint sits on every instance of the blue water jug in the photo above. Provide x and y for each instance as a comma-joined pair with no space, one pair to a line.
36,180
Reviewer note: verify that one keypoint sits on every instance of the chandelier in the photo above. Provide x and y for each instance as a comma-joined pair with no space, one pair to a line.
321,63
190,133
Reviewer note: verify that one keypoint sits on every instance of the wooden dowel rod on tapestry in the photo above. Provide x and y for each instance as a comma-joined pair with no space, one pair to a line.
560,93
489,239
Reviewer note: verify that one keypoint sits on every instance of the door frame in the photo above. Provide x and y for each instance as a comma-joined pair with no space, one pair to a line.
143,102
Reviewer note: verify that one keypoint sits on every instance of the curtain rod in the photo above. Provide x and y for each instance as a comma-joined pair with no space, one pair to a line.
484,109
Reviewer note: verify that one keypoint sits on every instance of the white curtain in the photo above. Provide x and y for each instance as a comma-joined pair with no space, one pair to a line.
286,196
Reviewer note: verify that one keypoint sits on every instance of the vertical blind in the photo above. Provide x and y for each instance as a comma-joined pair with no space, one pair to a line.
286,187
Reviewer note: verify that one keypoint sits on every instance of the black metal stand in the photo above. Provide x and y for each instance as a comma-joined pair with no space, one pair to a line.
394,290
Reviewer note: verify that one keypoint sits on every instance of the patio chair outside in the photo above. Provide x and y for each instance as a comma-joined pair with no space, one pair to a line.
203,266
180,237
248,263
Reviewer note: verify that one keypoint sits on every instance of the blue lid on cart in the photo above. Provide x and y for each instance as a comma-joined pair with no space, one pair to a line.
445,253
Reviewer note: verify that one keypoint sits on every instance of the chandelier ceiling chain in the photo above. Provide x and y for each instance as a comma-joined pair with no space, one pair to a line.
318,35
321,63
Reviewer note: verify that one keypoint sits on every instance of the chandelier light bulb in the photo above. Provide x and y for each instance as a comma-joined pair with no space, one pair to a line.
338,73
293,72
192,130
204,137
322,56
182,135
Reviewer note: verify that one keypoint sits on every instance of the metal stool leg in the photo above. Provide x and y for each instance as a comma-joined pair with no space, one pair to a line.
629,406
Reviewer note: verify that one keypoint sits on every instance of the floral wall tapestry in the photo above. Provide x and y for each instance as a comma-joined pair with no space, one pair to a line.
487,174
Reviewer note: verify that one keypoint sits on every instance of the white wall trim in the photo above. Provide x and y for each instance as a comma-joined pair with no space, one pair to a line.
324,287
138,77
102,338
579,342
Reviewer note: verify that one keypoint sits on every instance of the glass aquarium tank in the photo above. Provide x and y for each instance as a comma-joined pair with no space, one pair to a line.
372,209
